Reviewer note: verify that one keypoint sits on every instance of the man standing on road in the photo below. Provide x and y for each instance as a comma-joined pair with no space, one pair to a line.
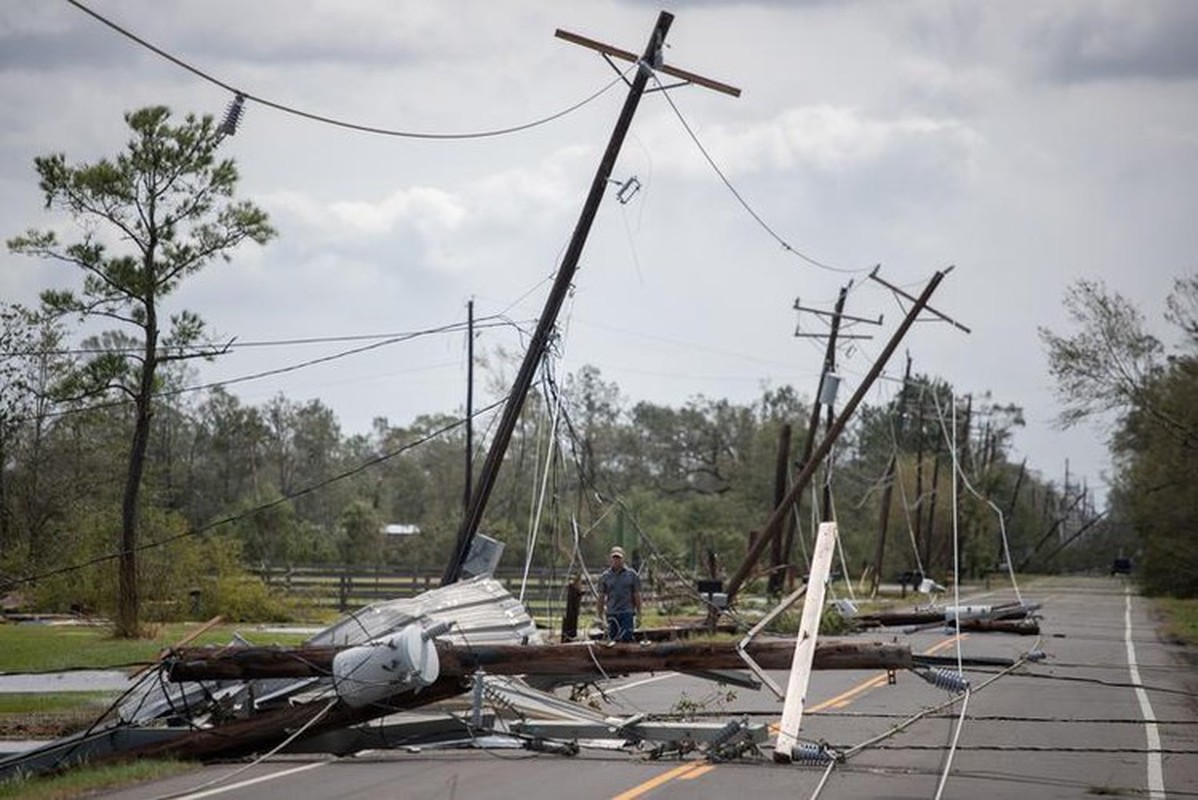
619,597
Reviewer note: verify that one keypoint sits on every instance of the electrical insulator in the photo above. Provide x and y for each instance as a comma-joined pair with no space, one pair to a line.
953,682
233,114
726,734
811,755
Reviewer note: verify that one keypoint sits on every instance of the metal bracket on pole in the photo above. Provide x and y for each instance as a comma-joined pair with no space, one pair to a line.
753,666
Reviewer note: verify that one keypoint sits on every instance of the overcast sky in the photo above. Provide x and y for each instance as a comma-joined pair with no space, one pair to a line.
1029,144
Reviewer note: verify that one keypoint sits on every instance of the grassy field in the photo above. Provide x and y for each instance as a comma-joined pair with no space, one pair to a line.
88,780
43,648
28,703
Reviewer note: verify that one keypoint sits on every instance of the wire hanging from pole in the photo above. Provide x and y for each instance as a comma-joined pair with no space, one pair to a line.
956,541
555,416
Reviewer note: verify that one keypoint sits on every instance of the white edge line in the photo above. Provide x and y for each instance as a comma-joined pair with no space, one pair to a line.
625,687
1156,780
251,781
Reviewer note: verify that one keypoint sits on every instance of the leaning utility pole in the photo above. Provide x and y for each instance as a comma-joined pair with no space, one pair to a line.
773,526
648,62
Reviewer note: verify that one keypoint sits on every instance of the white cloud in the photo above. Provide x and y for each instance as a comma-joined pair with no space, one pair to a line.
822,137
430,211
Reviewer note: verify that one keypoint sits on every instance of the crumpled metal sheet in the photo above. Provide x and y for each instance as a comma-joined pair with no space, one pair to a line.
481,609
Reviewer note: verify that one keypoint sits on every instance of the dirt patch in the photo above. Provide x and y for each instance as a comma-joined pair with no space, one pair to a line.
45,724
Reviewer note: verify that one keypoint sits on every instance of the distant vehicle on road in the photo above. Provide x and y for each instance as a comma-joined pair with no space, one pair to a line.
1121,566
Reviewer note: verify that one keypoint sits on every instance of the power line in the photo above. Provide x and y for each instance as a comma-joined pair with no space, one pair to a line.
338,122
403,337
492,321
739,197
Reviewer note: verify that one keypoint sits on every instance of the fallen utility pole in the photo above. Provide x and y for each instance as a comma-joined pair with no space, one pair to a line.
585,660
774,525
888,619
1019,627
651,60
268,729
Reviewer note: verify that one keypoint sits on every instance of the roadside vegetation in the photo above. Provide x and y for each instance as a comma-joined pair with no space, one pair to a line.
1179,619
50,648
1115,375
87,780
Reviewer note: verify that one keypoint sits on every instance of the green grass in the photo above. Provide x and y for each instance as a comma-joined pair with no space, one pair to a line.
88,780
28,703
1180,618
40,648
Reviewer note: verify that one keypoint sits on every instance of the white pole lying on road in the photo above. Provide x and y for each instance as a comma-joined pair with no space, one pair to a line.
800,668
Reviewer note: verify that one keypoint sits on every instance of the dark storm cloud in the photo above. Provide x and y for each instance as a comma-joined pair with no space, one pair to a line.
1137,41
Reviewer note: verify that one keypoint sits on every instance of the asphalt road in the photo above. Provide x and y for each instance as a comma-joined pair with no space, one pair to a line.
1070,726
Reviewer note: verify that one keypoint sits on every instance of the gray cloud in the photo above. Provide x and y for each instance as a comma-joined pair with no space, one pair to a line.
918,134
1126,41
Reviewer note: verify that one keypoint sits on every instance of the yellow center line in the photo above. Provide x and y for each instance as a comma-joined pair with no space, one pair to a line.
844,698
653,783
698,772
949,642
689,772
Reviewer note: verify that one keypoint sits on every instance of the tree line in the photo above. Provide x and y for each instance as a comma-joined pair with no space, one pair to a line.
1111,372
124,490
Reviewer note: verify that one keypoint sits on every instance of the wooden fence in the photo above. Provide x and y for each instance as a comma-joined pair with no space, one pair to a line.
345,587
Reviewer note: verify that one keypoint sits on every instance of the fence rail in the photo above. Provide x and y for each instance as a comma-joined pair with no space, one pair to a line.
344,587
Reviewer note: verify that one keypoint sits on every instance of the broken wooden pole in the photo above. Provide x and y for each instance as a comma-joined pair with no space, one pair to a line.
781,471
586,660
268,729
573,608
933,616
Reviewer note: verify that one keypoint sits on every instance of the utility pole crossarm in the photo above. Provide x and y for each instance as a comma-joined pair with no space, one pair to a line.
624,55
819,312
874,276
801,335
834,320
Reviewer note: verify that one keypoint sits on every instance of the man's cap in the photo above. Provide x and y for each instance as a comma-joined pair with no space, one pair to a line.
617,551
